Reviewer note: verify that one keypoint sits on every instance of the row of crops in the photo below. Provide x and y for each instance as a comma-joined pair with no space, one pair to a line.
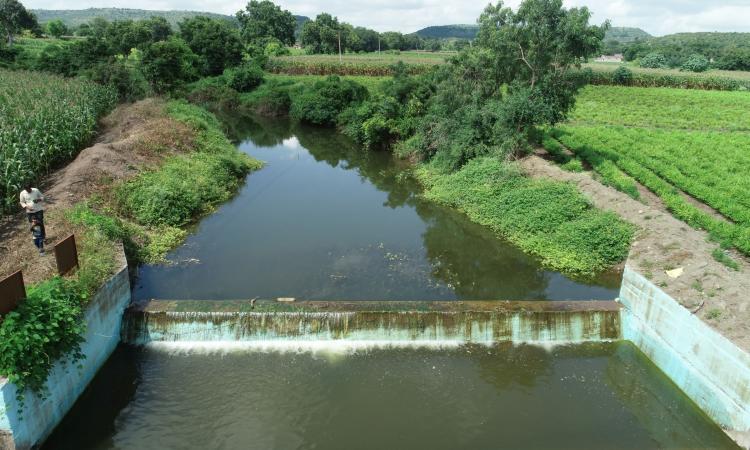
697,143
716,80
46,120
351,65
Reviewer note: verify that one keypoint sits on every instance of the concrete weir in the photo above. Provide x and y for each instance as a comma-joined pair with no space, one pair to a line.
475,322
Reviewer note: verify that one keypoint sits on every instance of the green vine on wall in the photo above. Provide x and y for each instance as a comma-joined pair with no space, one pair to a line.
48,326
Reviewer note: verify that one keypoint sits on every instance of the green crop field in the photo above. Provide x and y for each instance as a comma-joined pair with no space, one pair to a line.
697,142
611,67
46,120
364,64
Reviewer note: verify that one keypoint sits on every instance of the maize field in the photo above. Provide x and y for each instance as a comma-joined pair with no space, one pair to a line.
44,121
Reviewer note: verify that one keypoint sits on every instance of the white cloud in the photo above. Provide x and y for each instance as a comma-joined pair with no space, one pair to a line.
655,16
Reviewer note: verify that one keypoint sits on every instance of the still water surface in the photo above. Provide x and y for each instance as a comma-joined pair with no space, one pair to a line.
326,220
470,397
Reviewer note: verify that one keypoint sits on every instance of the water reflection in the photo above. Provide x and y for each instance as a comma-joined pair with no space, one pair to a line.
327,220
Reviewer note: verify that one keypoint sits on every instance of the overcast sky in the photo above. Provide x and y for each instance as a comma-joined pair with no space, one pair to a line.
658,17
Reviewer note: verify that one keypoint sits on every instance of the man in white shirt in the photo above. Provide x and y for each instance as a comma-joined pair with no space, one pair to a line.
32,201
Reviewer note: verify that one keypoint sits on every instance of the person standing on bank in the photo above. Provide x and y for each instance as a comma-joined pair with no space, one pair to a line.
37,233
32,201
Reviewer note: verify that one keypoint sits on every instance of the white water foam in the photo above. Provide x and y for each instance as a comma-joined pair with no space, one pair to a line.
335,346
340,346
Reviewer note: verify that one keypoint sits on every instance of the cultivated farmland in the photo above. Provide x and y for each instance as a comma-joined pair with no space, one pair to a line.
367,64
46,121
697,142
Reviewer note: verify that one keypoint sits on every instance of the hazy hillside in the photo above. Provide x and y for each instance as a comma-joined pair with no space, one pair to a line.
730,51
449,31
75,17
621,34
625,34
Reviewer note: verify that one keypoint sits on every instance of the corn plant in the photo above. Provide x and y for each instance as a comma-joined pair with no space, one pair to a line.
45,120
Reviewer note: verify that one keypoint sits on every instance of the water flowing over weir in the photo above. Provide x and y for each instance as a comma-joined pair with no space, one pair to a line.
389,323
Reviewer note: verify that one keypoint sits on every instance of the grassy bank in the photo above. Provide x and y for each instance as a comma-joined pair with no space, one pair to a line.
148,214
671,141
548,219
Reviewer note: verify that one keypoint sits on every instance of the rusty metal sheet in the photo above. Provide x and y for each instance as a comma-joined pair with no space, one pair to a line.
66,255
12,292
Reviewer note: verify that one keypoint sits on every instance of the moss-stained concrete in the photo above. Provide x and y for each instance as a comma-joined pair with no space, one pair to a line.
390,321
706,366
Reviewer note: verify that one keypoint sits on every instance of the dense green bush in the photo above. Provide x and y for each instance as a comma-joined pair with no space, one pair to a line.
696,63
622,76
322,103
272,99
216,43
654,61
244,78
127,80
167,65
47,327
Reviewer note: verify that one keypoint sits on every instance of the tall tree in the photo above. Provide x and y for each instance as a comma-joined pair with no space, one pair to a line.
264,19
56,28
494,94
14,18
168,64
215,41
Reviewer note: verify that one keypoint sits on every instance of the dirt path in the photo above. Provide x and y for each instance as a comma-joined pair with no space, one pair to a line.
131,137
713,291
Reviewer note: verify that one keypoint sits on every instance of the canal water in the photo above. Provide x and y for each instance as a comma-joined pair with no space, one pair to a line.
325,219
595,396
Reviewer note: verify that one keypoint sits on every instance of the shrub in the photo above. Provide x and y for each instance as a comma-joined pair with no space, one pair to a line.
128,81
654,61
322,102
622,76
696,63
45,328
244,78
274,47
272,98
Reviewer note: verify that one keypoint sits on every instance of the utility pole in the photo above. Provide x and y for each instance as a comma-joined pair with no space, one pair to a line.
340,59
378,43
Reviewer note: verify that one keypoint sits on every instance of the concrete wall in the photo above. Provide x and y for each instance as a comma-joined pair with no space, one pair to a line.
66,382
395,321
710,369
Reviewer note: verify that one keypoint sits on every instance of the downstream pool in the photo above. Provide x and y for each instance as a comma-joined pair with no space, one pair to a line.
467,397
326,220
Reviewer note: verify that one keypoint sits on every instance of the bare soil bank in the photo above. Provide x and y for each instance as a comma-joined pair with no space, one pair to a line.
712,291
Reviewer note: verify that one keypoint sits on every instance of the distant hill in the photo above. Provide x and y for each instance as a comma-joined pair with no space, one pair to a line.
625,34
75,17
449,32
720,47
621,34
